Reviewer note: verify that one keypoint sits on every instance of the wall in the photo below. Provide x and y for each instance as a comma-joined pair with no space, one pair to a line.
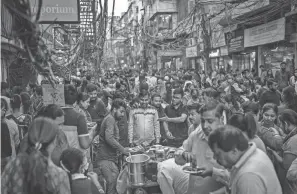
182,9
162,6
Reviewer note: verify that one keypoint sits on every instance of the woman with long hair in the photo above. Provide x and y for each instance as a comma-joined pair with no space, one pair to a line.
269,132
33,171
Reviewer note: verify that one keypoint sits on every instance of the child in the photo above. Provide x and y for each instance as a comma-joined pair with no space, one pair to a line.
75,164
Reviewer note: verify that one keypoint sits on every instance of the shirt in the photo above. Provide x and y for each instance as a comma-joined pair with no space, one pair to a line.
97,110
197,144
74,118
14,177
254,173
178,130
82,184
109,146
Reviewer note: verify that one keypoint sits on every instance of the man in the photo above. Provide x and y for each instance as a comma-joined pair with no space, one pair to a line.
177,119
144,128
194,97
97,108
251,170
195,148
282,77
271,95
165,133
168,93
109,146
263,73
194,117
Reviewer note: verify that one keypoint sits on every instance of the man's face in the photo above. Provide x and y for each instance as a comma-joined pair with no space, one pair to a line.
3,112
209,121
156,101
225,159
93,95
194,94
194,117
144,100
168,86
119,113
273,87
176,99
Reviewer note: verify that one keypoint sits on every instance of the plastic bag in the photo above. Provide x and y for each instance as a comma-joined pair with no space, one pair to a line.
123,181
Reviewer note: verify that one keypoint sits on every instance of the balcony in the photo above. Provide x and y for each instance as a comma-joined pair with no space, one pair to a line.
161,6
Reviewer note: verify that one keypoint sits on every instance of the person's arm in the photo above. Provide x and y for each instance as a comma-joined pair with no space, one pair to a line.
250,183
110,136
180,119
64,187
131,126
271,139
292,172
83,133
157,127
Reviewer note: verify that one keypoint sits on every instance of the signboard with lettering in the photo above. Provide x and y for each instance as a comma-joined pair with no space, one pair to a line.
57,11
53,95
235,41
267,33
191,51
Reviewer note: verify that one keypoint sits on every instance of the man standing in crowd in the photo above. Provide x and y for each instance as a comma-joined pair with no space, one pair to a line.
109,146
271,95
251,170
144,127
176,119
97,107
282,77
165,133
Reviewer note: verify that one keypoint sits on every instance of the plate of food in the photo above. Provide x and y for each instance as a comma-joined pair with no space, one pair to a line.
191,170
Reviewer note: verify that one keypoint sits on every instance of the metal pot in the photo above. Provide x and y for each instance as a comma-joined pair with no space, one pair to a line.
136,166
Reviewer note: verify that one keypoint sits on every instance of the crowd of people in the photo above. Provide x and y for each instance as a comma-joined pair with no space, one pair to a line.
237,129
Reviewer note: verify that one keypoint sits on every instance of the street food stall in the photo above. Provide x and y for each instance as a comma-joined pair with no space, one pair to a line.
141,169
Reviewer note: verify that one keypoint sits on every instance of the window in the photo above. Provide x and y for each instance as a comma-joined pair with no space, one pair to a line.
164,22
191,5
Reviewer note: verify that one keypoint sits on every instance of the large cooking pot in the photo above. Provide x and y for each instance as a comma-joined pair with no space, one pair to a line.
136,167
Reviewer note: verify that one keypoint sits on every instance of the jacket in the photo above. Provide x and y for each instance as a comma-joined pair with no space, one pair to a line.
143,125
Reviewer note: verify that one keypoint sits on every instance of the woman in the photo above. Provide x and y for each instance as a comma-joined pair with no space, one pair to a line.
247,124
293,80
269,132
288,120
82,104
75,164
55,113
33,171
19,115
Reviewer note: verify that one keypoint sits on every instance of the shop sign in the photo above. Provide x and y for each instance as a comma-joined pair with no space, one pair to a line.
235,42
214,53
192,51
53,95
218,38
170,53
267,33
57,11
224,51
293,38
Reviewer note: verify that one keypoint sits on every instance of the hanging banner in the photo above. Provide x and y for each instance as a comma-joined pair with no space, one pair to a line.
53,95
57,11
267,33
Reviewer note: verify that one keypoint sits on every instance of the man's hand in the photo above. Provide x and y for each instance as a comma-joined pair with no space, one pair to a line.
188,157
92,175
165,119
204,172
126,151
169,135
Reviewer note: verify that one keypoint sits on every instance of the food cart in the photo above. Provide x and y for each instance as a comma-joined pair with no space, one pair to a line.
143,169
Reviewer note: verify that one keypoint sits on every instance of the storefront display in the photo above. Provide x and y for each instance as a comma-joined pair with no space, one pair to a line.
274,54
